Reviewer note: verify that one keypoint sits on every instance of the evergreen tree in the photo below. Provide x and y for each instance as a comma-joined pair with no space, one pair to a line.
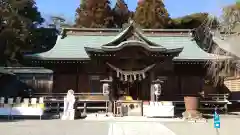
152,14
121,13
189,21
231,15
17,19
94,14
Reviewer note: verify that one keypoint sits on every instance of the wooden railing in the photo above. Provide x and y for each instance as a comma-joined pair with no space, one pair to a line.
85,102
98,102
209,102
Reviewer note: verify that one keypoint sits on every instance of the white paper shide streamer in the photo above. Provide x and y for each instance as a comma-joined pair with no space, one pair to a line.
130,76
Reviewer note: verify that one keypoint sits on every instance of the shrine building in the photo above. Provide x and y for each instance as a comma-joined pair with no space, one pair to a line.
132,58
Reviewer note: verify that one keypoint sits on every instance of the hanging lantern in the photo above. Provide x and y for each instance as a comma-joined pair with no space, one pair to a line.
106,86
157,89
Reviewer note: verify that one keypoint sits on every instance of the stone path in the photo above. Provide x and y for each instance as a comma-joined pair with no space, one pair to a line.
138,128
229,126
131,119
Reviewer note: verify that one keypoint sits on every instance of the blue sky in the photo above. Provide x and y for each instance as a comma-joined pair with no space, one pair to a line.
176,8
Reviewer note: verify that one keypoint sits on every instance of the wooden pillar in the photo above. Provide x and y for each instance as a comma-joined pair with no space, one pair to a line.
111,96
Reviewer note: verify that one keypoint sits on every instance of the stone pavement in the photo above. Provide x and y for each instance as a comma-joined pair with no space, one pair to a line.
138,128
229,126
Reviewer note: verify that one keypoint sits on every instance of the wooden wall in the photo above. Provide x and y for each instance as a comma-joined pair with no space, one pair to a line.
181,80
82,78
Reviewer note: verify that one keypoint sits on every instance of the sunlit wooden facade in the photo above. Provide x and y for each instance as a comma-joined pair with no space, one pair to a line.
83,57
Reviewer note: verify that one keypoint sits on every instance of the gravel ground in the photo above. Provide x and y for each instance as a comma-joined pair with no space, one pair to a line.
229,126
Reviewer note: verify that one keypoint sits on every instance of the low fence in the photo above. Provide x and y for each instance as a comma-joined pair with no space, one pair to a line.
20,101
95,102
85,102
78,96
12,107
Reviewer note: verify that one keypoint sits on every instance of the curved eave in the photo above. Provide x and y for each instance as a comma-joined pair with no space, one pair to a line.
133,43
210,58
89,50
200,60
124,33
144,38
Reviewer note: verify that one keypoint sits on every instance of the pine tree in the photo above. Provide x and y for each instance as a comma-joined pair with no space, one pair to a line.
152,14
94,14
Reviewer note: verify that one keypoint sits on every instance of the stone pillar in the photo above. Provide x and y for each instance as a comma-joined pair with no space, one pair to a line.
191,86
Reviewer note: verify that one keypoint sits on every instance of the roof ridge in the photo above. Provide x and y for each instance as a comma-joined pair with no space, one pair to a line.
134,30
119,30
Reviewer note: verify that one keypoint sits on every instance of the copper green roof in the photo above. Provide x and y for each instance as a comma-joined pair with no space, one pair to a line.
72,45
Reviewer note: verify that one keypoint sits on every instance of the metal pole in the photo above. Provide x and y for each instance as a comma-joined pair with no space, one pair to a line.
84,108
215,113
217,131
